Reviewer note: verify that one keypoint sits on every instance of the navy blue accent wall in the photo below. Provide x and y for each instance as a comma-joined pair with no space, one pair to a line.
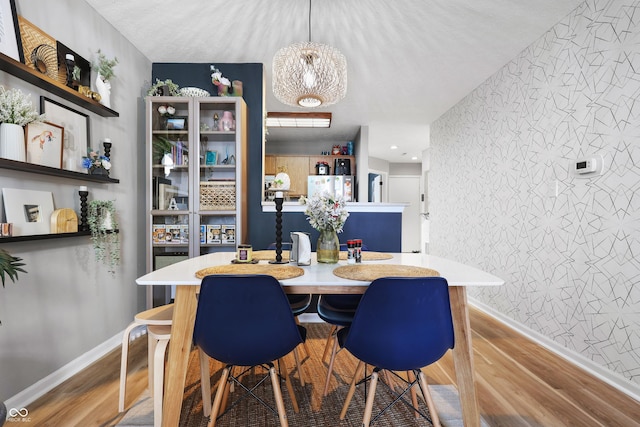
379,231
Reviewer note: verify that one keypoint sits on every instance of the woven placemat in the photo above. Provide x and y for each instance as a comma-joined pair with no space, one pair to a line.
268,255
368,256
375,271
280,272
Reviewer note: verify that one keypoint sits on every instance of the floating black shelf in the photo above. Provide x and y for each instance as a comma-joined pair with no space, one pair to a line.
42,81
46,170
42,237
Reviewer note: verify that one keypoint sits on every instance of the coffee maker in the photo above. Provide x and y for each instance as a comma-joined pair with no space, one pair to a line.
342,167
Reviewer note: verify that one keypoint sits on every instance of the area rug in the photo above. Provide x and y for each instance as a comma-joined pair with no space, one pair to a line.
315,410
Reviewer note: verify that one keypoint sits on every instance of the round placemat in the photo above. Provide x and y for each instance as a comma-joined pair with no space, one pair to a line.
280,272
371,272
368,256
268,255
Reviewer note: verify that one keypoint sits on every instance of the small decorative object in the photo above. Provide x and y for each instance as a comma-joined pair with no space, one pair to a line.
70,62
106,143
194,92
221,82
216,120
279,197
104,67
64,220
282,181
103,225
96,164
84,209
6,229
211,158
336,150
164,88
16,111
227,123
237,88
327,214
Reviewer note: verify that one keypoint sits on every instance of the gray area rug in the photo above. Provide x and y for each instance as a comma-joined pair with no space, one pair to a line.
315,410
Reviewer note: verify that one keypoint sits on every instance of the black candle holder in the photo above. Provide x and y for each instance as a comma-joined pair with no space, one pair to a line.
278,201
107,149
84,224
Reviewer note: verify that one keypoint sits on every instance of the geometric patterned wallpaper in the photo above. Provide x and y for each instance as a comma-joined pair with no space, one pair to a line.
571,258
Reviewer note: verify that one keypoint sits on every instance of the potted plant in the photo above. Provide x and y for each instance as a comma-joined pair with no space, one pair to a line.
103,225
164,88
10,266
16,111
104,67
96,164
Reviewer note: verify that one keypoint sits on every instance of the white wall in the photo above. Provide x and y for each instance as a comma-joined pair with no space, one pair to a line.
570,262
67,304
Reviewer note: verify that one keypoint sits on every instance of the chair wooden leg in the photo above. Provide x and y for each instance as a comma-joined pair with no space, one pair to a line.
304,344
366,418
205,382
287,381
298,365
327,344
123,365
277,394
330,368
414,396
422,380
152,344
218,399
158,381
229,388
352,389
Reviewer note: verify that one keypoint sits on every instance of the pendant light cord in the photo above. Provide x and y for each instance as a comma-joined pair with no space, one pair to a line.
309,21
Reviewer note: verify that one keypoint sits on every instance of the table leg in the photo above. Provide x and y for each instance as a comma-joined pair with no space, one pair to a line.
463,356
184,315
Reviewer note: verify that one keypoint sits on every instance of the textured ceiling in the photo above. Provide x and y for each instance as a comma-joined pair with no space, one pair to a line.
408,61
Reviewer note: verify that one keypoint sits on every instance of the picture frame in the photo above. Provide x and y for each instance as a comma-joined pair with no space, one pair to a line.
28,210
44,144
11,42
177,123
166,192
211,158
76,131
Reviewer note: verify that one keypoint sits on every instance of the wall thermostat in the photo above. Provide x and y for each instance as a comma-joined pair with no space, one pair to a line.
587,167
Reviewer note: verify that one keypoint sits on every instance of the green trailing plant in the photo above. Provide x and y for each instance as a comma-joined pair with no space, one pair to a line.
157,89
103,225
105,66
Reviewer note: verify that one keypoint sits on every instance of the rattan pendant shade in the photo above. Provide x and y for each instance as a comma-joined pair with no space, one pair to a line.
309,75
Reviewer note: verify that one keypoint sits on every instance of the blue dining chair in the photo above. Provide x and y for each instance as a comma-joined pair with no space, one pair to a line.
338,311
401,324
245,320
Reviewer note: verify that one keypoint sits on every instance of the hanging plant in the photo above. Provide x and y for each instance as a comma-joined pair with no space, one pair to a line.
101,217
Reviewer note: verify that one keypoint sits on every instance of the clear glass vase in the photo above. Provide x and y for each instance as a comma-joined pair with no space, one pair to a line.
328,248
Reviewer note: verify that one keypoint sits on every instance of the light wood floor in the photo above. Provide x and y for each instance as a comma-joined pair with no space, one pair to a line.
519,384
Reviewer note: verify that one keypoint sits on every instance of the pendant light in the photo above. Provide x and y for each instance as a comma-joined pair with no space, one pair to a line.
309,74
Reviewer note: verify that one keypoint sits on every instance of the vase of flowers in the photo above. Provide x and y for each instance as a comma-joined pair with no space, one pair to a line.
221,82
16,111
327,214
96,164
104,67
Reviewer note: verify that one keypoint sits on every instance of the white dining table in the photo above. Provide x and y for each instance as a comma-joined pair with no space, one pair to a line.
317,279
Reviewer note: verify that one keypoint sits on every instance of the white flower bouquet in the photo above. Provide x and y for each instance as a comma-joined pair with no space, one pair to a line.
325,212
16,108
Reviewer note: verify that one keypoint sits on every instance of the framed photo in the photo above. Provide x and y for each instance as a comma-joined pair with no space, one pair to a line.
10,41
177,123
211,158
44,144
76,131
29,210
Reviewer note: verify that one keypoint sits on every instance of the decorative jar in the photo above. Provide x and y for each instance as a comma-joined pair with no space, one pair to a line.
328,247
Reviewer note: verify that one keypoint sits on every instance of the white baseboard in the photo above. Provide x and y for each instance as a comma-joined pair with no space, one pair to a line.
599,371
46,384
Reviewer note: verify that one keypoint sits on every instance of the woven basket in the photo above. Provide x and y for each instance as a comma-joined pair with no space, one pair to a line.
217,195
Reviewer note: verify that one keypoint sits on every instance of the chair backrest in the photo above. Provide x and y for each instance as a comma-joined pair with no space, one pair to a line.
402,323
244,320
